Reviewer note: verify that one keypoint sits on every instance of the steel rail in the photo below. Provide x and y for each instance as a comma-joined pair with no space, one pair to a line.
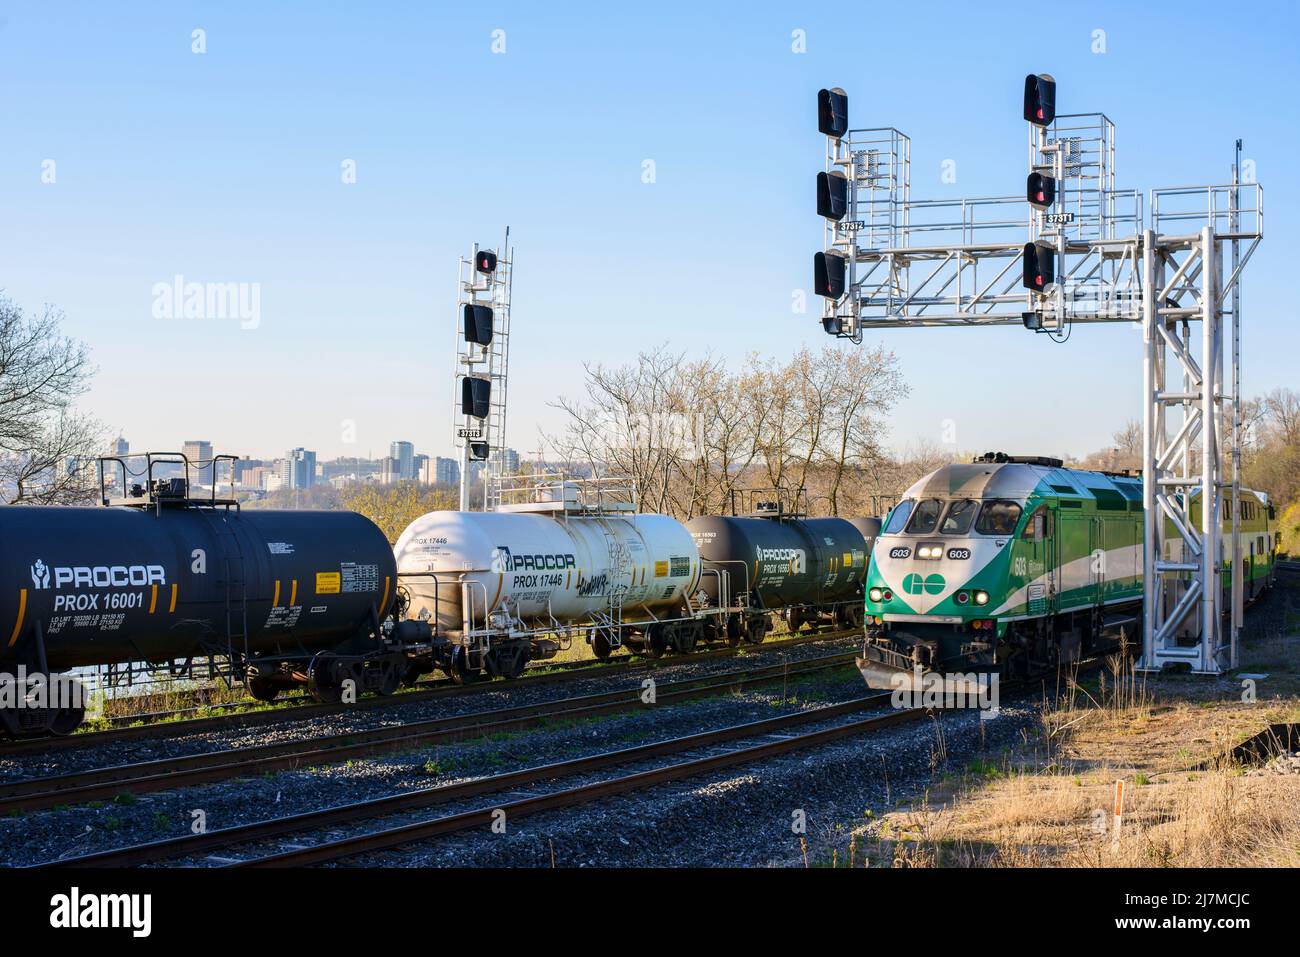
587,793
302,712
206,767
191,844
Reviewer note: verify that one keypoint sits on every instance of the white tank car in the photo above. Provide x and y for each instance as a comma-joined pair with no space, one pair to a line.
533,566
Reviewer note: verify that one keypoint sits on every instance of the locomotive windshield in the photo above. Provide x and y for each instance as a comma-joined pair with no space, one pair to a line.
998,517
898,517
995,517
925,517
960,514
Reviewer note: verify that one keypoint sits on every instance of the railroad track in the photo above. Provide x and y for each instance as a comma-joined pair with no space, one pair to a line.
207,767
565,671
778,728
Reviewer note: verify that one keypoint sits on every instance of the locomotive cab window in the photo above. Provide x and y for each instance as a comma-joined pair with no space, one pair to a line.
998,517
960,515
1036,527
898,517
925,517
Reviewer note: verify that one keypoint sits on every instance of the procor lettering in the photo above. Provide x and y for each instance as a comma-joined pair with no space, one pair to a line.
780,554
540,562
109,576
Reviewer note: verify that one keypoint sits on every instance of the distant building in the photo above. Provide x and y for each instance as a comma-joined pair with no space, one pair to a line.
119,447
199,454
256,477
298,469
404,455
510,461
446,471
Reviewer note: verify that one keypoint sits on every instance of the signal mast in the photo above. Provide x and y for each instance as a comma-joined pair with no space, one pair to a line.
482,361
1093,255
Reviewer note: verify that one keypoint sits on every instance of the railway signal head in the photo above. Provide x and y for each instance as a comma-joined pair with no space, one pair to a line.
1040,190
486,261
833,112
478,451
475,396
832,195
1040,99
828,274
1039,266
477,321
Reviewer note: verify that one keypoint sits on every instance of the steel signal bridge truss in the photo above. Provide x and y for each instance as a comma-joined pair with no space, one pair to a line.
484,284
1172,270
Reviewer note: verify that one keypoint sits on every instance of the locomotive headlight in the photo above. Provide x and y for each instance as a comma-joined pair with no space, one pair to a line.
876,594
981,598
930,551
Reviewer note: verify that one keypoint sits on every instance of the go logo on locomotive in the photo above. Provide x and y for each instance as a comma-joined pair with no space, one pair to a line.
923,584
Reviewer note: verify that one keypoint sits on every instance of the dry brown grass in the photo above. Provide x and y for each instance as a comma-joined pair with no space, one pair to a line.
1186,803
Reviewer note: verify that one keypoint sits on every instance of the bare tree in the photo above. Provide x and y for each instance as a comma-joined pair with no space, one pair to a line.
692,433
46,447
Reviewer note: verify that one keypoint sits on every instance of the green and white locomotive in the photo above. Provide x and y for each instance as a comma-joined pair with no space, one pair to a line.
1013,565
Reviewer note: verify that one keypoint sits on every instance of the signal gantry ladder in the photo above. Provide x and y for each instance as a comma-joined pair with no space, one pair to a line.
484,284
1092,256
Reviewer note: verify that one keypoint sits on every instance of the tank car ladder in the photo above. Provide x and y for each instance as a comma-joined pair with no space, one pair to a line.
236,589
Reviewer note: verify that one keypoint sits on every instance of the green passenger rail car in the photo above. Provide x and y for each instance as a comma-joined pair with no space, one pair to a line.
1013,565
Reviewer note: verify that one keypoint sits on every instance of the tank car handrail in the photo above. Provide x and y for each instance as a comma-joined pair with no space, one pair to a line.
437,597
727,573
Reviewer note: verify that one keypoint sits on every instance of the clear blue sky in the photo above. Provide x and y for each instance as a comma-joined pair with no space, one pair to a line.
225,166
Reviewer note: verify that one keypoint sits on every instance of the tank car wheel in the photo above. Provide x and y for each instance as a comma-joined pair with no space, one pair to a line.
321,683
261,687
734,631
459,670
656,642
67,720
601,646
756,632
794,619
391,678
411,674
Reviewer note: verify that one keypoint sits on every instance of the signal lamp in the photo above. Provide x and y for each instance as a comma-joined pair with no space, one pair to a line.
876,594
828,274
832,195
1039,266
478,451
833,112
962,598
833,325
477,321
475,396
1040,190
1040,99
486,261
889,595
981,598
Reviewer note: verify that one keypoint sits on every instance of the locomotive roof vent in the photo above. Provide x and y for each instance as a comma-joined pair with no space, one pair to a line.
1001,458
